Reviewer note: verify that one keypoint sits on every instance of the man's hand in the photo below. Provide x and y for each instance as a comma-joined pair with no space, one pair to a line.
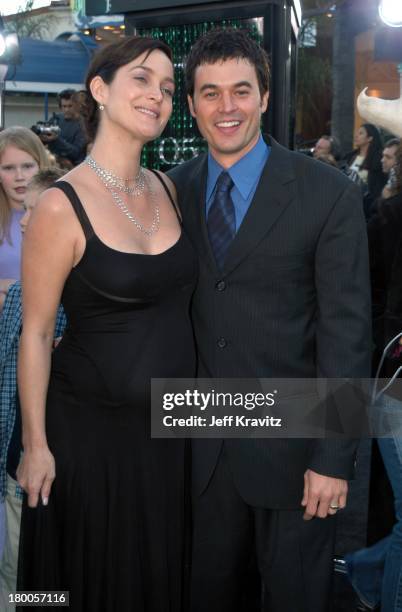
48,137
322,495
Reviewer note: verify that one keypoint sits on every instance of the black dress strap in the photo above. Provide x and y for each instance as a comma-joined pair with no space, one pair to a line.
166,188
79,210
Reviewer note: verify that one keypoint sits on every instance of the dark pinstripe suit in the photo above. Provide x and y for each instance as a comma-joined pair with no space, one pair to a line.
295,303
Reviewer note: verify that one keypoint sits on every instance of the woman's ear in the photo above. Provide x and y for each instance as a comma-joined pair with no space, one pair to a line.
98,89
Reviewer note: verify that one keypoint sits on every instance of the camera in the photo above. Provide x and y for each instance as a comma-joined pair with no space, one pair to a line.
46,128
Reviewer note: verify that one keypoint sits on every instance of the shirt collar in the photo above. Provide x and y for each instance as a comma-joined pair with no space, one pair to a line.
243,173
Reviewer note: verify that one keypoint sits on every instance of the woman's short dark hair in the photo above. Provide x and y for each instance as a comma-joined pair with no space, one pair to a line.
108,60
223,44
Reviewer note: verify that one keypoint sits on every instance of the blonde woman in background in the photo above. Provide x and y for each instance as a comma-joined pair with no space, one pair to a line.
21,156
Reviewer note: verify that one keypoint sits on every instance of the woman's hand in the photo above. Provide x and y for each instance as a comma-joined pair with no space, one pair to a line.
35,474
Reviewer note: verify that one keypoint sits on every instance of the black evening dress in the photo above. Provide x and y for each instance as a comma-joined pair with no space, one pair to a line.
113,534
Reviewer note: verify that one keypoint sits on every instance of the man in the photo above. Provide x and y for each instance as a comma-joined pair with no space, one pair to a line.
388,162
70,143
327,146
283,291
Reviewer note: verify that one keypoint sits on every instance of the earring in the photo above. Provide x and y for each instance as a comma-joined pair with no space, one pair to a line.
101,107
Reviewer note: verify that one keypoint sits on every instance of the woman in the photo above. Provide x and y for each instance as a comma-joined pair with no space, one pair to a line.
21,156
365,163
10,419
104,513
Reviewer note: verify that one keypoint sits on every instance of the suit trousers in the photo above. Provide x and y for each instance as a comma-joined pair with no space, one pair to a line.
294,557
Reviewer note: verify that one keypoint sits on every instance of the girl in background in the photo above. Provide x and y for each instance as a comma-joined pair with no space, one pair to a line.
21,156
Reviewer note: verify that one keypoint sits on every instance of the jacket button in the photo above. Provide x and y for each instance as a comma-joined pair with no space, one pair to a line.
222,343
221,285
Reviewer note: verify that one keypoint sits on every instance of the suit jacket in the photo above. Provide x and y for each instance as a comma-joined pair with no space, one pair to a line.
292,301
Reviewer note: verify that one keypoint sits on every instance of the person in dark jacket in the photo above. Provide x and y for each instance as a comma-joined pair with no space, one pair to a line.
385,246
70,143
365,162
283,292
375,572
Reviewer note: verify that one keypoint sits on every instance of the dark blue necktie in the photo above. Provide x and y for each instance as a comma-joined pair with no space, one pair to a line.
221,220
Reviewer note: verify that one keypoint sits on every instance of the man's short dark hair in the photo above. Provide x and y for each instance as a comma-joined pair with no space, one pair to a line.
219,45
393,142
66,94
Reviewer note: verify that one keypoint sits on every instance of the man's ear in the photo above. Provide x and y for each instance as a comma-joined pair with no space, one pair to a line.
264,102
190,101
99,89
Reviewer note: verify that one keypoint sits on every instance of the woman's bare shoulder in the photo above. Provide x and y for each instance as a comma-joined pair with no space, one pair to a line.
55,201
169,184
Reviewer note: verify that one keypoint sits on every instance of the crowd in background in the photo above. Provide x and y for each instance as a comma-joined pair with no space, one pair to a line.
376,166
371,164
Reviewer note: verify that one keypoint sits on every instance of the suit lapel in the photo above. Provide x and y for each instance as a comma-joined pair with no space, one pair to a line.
197,220
276,189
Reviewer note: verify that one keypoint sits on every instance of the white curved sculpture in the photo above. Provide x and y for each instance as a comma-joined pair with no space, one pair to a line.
384,113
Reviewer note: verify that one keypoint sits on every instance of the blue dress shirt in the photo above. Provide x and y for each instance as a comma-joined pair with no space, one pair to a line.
245,175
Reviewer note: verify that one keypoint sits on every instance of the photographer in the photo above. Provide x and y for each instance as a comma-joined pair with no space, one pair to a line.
69,143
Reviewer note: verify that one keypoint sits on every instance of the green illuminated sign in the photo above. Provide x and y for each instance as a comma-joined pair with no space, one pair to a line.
102,7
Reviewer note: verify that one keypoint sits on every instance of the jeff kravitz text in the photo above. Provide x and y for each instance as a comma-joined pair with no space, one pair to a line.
228,420
203,402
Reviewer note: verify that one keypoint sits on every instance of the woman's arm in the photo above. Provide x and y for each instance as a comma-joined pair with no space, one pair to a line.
48,256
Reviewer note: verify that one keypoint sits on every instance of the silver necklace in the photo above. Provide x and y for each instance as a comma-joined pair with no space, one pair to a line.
155,221
117,182
102,174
